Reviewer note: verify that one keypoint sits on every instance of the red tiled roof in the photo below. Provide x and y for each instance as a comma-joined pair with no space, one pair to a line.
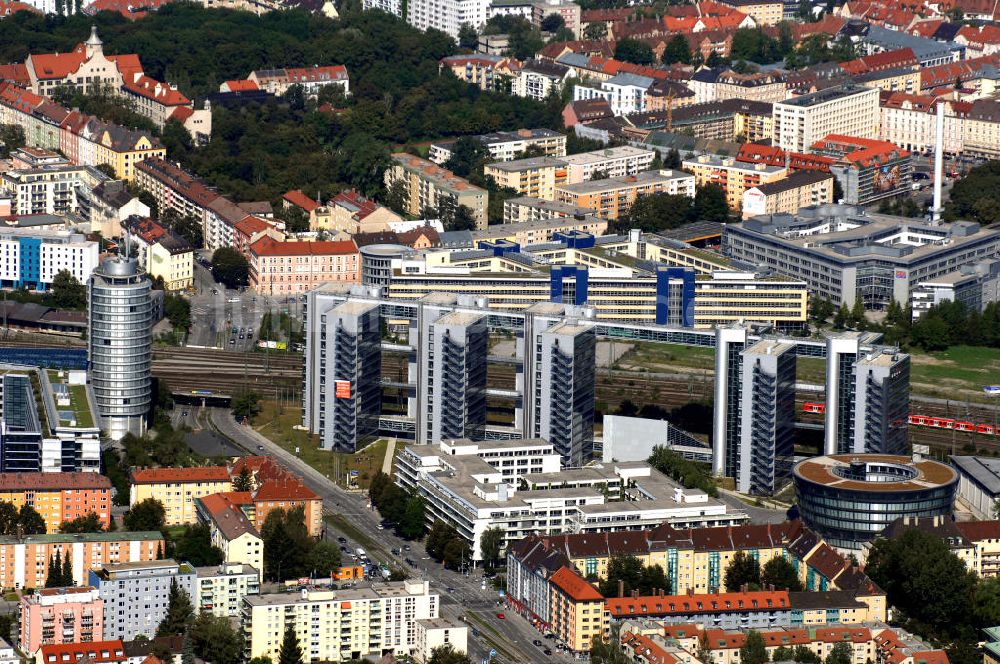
55,65
8,8
314,74
350,197
182,113
296,197
159,92
267,246
97,652
241,85
975,531
196,474
16,73
251,225
839,634
52,481
149,230
693,604
575,586
130,9
866,151
288,488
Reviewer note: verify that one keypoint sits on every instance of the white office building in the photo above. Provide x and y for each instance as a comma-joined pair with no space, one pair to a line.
626,93
616,162
52,189
448,16
519,487
849,110
31,259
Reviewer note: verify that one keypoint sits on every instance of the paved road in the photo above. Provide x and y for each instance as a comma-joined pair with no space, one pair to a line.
467,594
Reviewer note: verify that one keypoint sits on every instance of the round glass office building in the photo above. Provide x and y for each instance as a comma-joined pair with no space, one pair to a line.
851,498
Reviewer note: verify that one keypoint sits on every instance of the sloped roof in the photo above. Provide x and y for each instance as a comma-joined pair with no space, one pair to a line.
267,246
575,586
296,197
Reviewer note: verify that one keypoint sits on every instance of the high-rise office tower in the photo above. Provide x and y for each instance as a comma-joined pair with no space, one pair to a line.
343,372
841,356
767,417
455,352
730,342
119,345
882,402
561,388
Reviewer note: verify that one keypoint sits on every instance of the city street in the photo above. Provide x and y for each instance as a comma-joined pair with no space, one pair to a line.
469,596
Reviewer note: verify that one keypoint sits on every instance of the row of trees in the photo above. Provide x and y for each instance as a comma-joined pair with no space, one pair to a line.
60,572
659,212
405,511
628,573
445,545
691,474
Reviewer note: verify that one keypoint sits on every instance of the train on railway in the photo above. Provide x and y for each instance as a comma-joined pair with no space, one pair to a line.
926,421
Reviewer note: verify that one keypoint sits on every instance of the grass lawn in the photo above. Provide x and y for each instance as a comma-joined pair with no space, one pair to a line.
81,407
957,373
277,422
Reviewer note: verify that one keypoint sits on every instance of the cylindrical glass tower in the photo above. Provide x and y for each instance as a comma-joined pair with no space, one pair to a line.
119,347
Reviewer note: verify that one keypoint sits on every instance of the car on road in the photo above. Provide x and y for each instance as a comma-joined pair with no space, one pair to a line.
396,551
918,175
232,341
342,540
410,562
242,336
344,549
537,642
185,413
406,547
548,652
451,590
475,632
260,448
501,616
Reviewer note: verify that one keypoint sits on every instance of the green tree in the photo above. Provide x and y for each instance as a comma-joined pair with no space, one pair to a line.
11,138
634,51
689,473
214,640
438,537
178,311
743,570
146,515
461,220
180,612
287,544
491,546
805,655
89,523
456,554
291,652
243,480
858,314
931,333
710,203
29,521
655,212
597,31
467,36
246,405
780,573
67,570
841,653
624,569
53,578
324,558
468,154
924,580
842,317
753,651
230,267
67,292
820,309
446,654
552,23
677,50
195,546
411,524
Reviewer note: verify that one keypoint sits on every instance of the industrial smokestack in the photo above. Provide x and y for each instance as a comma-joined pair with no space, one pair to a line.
938,163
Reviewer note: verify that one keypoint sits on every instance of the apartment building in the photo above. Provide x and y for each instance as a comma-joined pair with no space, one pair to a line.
800,189
981,137
527,208
758,86
24,563
352,213
340,625
174,188
734,177
624,92
136,595
447,16
59,497
909,121
867,170
31,259
310,79
614,162
534,176
98,652
162,253
53,616
578,613
231,529
508,145
178,488
283,268
221,588
430,187
484,71
526,233
613,197
51,189
849,110
763,12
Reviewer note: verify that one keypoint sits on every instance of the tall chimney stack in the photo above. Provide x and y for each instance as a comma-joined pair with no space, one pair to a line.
938,163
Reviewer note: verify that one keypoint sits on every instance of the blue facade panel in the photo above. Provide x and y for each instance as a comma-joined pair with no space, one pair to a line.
663,277
557,286
31,261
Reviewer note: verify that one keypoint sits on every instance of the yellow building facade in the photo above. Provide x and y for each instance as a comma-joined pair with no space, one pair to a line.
172,261
734,177
178,488
537,177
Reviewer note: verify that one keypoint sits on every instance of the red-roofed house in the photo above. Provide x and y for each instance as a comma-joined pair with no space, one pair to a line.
296,198
130,9
351,212
178,488
288,493
277,81
95,652
85,68
577,611
230,528
16,73
250,230
283,268
238,85
979,40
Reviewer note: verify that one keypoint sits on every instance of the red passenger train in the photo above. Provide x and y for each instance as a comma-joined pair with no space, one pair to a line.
926,421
